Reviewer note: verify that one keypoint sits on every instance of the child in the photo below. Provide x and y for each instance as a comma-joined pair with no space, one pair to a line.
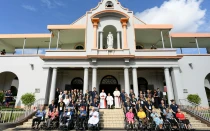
156,119
109,99
130,117
142,116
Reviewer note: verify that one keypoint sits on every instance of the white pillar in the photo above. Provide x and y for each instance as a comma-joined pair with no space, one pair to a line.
135,81
101,40
196,41
53,85
170,40
94,77
58,39
162,39
118,39
24,43
170,92
177,84
85,84
126,79
50,40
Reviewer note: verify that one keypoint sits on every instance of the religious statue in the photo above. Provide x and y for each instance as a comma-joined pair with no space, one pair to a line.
110,41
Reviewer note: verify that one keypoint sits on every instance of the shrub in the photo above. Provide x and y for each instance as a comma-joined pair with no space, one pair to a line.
194,98
28,99
1,97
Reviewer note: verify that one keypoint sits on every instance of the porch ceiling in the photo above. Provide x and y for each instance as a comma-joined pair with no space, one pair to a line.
70,36
10,42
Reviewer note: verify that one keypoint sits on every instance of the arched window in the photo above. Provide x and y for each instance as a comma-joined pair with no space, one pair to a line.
109,80
109,4
77,81
79,47
139,47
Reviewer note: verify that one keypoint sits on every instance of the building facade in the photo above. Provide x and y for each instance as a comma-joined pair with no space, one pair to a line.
79,57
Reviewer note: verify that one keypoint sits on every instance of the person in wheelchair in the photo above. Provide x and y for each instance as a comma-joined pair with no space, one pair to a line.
170,117
181,117
53,116
81,117
67,115
40,116
156,119
94,118
130,118
142,116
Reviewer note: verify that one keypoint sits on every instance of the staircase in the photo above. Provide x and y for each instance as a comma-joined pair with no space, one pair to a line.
112,118
196,124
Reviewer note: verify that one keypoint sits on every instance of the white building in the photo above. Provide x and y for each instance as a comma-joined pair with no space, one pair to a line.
78,57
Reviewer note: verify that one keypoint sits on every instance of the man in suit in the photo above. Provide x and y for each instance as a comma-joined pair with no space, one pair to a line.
94,93
160,95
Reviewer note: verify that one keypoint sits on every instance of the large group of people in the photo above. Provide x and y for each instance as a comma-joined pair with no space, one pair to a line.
141,106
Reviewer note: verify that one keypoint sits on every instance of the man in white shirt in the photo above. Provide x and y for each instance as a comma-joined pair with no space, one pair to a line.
94,118
102,99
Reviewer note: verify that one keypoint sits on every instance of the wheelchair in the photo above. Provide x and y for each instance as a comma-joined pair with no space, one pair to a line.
53,125
68,124
81,123
182,126
96,126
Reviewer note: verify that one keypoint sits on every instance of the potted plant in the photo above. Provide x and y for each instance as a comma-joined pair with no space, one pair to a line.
28,99
194,98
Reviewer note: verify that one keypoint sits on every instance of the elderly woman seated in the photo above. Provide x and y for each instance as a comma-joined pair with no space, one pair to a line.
182,118
94,118
156,119
67,115
53,116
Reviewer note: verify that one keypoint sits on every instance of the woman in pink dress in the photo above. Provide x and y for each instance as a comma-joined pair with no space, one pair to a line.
130,116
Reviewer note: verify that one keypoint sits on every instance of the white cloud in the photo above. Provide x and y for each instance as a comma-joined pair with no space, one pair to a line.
52,3
29,7
185,15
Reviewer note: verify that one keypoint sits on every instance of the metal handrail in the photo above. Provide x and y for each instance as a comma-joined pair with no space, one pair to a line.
15,116
195,109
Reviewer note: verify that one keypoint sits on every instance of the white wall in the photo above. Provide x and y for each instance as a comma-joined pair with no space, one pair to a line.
28,79
193,78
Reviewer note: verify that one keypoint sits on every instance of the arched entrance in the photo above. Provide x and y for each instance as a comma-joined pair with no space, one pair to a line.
106,30
142,84
9,81
109,83
77,83
207,87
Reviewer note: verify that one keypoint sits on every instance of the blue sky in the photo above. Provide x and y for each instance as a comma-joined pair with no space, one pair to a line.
33,16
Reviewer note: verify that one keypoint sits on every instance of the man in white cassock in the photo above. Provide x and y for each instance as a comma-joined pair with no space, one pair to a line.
109,100
103,99
117,98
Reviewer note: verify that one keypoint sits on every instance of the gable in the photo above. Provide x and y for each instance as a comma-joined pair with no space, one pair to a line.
80,21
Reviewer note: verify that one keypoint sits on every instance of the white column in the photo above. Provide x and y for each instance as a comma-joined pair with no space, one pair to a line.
58,39
170,40
101,40
135,81
162,39
177,84
85,85
45,78
196,41
50,40
126,79
24,43
53,85
170,92
94,77
118,39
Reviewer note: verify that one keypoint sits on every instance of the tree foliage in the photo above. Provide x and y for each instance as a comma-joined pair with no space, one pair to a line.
194,98
28,99
1,97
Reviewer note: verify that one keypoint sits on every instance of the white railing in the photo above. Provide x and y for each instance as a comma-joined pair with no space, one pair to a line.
13,115
195,109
